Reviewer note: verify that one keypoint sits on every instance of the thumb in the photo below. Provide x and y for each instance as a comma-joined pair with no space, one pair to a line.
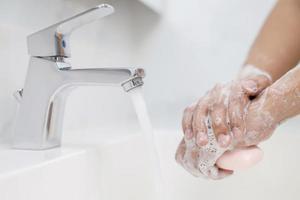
255,85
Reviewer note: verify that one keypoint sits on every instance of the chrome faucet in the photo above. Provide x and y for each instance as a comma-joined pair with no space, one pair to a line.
50,79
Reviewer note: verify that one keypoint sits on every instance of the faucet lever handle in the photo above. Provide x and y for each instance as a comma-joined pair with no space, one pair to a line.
53,41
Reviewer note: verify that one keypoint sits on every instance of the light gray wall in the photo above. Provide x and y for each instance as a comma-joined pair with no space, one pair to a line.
193,45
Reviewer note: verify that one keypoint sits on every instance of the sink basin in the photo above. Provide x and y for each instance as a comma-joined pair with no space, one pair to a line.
102,167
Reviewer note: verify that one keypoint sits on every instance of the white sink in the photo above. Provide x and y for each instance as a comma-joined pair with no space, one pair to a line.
97,166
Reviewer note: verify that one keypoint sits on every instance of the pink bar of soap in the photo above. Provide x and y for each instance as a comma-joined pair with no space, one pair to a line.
239,159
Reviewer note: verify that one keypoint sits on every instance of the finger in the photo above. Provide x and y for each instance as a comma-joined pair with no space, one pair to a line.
238,102
218,115
187,157
187,122
199,122
222,173
179,156
255,85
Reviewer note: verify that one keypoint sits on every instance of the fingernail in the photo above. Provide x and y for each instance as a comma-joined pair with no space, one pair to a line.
224,140
188,134
250,86
202,139
237,133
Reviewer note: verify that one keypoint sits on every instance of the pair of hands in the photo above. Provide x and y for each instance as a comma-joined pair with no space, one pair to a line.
240,116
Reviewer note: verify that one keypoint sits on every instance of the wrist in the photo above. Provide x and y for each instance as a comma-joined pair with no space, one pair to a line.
272,103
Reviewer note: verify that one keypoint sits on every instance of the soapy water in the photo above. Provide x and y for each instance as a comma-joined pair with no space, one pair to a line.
147,131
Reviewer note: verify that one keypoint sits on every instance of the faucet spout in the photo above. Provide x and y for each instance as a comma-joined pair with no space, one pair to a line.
40,118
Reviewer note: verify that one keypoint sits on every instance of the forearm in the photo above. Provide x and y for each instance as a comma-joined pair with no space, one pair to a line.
277,47
282,98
